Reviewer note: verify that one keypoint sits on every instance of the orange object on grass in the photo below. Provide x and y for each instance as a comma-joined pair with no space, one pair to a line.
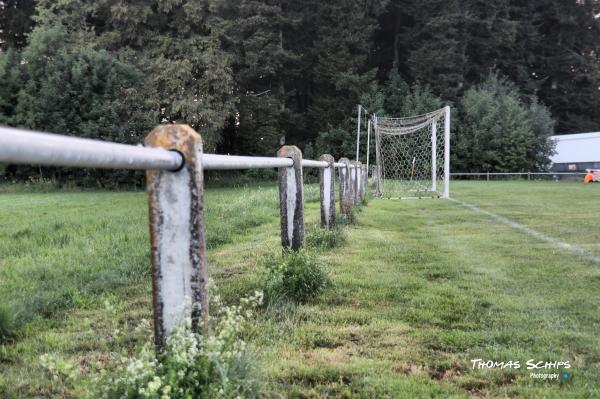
589,177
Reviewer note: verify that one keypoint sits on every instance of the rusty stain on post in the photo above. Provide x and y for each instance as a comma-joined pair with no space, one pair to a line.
327,189
177,234
291,199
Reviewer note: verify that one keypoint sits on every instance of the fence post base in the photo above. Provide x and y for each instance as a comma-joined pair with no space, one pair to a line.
291,199
177,234
327,191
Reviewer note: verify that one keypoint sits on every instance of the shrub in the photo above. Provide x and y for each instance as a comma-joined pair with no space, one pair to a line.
500,131
293,276
192,366
325,238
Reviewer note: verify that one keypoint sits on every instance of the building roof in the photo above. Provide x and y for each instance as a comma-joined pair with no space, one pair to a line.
580,147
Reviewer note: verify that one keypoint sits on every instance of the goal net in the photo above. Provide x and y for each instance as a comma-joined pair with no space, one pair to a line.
413,155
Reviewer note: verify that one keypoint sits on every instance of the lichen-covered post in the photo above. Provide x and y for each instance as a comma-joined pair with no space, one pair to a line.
345,188
327,186
291,199
177,234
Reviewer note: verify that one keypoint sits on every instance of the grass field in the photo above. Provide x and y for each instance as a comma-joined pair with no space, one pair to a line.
420,288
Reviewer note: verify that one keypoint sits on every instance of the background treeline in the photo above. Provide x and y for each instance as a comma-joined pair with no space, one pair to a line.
249,75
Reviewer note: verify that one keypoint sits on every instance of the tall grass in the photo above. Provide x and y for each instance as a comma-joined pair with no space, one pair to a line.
67,250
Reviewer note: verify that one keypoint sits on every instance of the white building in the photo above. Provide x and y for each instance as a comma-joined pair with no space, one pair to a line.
576,152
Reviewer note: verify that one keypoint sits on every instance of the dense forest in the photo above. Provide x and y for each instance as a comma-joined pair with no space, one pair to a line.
252,74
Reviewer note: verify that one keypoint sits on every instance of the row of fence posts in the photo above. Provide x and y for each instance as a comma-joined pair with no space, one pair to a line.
177,223
175,166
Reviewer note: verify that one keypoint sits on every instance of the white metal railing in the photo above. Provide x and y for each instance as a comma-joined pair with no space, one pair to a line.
20,146
230,162
307,163
27,147
174,161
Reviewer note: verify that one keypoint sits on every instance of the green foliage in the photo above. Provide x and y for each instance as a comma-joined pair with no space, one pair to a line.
542,126
55,87
80,91
10,84
296,276
191,365
499,132
319,238
185,75
337,142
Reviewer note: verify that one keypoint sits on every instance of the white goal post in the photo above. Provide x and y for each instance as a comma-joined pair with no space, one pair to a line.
413,155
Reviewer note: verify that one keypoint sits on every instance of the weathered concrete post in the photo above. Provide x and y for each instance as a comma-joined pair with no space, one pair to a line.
354,181
177,234
327,179
376,175
291,199
345,188
358,182
365,181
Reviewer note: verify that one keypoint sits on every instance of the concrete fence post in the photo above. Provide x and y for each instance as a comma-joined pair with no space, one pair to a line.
365,181
177,234
359,182
354,181
376,175
291,199
345,188
327,188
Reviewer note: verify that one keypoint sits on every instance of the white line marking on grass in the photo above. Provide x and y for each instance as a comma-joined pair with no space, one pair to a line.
533,233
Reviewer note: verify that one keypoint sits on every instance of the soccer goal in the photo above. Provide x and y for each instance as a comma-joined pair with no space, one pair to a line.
413,155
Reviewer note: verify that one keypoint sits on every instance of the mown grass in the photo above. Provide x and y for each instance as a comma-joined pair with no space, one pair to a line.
418,290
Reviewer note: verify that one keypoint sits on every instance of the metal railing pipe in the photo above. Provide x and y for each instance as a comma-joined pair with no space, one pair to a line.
19,146
307,163
229,162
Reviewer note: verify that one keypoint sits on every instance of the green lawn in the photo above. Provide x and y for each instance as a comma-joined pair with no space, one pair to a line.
420,288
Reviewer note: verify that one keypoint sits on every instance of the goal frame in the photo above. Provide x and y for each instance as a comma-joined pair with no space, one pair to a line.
446,156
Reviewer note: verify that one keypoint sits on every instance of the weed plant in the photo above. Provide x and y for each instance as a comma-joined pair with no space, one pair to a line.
296,276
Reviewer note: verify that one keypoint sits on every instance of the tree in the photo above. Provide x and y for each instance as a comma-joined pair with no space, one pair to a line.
10,84
558,41
73,91
256,36
176,44
499,132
